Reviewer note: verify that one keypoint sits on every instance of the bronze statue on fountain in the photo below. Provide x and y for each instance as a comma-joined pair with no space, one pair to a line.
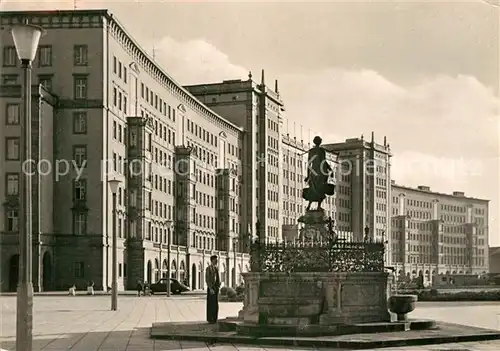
318,173
317,225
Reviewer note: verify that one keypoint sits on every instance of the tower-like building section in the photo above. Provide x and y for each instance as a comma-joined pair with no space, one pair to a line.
364,189
258,110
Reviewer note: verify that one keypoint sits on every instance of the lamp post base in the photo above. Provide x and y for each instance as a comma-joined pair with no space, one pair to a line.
24,321
114,296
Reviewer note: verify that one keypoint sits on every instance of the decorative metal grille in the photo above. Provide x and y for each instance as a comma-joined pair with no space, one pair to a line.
317,256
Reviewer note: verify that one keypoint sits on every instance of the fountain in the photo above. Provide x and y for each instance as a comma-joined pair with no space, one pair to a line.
318,284
315,290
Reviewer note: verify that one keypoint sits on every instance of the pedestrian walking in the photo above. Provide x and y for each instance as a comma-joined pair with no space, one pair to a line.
212,279
139,287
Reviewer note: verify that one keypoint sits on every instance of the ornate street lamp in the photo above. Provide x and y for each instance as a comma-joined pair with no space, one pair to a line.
26,38
113,185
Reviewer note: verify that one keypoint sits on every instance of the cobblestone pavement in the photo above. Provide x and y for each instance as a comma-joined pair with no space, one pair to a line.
86,324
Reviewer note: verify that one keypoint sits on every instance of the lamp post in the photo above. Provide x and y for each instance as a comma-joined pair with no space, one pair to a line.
235,242
26,38
113,185
169,242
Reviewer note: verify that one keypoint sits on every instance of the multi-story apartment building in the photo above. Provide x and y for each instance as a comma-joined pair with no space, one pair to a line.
118,115
363,188
258,110
435,233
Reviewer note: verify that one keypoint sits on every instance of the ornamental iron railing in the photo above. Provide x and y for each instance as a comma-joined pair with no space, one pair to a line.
317,256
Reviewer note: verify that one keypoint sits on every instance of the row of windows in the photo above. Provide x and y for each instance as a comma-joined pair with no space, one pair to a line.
443,207
45,56
120,69
157,102
272,125
120,100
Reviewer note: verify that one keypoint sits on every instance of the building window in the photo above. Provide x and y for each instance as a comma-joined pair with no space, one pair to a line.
9,56
80,189
12,184
45,56
114,64
79,269
81,55
80,122
45,81
12,146
80,85
12,222
9,79
12,114
80,155
133,138
80,223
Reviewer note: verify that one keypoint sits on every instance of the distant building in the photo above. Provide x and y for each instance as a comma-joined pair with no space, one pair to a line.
434,233
494,259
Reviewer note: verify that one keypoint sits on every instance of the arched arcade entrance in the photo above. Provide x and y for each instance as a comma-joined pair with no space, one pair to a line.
47,278
193,277
149,272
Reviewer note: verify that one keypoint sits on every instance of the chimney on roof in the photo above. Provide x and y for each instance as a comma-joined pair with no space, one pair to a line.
459,193
424,188
262,79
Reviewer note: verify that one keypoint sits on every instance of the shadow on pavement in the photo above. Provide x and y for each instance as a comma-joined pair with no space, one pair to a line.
136,339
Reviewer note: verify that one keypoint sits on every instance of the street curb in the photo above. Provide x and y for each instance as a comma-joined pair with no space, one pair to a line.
322,342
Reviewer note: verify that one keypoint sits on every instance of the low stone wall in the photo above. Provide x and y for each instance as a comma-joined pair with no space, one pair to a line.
315,298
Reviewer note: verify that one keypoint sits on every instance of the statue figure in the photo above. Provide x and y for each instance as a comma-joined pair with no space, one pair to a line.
318,172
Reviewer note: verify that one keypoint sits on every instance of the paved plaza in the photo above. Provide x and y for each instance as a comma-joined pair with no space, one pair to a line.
85,323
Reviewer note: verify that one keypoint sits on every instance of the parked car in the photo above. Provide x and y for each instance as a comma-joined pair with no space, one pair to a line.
176,287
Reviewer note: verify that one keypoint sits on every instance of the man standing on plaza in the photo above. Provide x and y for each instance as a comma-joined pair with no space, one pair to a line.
213,284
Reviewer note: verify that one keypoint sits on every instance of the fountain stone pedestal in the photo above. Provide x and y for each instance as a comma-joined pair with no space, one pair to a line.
315,298
315,282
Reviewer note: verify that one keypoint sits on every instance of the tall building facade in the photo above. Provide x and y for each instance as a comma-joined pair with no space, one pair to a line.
435,233
364,188
118,115
259,111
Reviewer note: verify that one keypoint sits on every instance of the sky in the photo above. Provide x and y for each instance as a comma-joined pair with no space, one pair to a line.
423,73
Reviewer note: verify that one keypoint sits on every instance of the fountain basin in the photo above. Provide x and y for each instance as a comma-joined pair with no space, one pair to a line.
323,298
401,305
